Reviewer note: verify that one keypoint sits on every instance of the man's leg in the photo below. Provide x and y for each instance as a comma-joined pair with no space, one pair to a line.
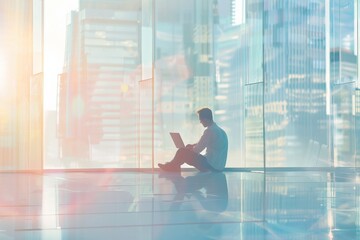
200,162
183,155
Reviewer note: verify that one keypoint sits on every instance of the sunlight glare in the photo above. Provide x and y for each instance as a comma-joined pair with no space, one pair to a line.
2,73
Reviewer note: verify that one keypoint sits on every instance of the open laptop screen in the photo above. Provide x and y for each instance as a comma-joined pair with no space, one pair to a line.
177,140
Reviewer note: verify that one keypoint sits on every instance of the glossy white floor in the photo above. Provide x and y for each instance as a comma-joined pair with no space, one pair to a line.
133,205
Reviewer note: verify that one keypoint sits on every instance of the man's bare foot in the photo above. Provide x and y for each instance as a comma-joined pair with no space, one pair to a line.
169,167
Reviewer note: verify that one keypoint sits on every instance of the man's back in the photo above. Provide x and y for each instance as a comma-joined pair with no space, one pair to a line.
216,146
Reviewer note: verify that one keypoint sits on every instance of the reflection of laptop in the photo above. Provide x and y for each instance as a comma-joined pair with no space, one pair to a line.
177,140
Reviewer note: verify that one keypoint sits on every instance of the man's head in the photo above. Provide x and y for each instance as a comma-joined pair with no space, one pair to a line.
205,117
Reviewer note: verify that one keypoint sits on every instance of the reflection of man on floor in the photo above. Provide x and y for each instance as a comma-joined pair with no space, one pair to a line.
214,140
214,194
211,191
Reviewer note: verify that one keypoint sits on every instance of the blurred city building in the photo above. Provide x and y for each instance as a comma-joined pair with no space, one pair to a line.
280,81
98,88
21,84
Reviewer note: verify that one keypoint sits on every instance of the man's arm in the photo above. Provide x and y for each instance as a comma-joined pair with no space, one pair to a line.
203,142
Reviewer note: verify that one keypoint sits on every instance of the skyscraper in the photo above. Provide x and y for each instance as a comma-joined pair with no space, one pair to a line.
98,86
21,71
295,89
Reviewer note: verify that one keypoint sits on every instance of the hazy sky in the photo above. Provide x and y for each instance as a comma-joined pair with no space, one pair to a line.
55,12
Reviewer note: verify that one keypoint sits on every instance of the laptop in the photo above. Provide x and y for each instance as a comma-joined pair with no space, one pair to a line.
177,140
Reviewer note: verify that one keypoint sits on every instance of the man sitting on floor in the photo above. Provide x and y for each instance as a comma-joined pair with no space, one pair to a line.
214,140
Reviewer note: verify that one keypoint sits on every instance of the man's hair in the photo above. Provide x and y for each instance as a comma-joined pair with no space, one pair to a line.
205,113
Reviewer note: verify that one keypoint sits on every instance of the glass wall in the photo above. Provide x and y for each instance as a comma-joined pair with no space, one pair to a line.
280,81
184,71
145,147
213,58
294,62
21,50
280,76
98,88
343,65
252,77
310,72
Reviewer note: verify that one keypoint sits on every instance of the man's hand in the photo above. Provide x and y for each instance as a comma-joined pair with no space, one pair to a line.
190,146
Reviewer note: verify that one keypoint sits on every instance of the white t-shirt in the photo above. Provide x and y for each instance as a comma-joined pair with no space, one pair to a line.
214,139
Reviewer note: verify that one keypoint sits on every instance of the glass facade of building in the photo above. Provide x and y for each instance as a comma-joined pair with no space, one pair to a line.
21,80
98,88
280,77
